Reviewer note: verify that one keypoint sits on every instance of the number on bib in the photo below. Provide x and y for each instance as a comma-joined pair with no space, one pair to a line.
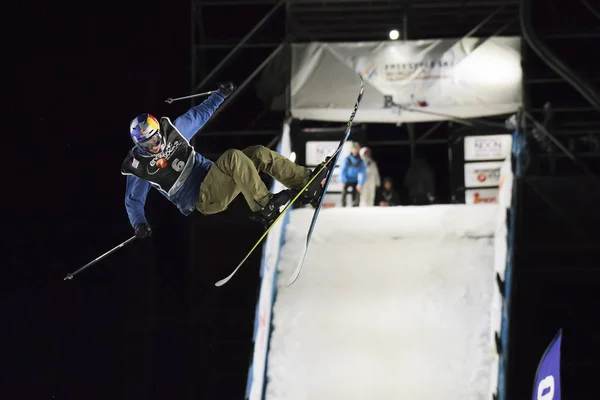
178,165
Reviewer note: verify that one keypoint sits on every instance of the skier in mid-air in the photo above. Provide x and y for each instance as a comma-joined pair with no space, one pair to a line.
164,159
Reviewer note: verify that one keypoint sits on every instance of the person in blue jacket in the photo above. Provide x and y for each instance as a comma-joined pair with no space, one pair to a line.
163,158
352,175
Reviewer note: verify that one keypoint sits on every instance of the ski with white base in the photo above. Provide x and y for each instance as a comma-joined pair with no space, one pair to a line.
334,158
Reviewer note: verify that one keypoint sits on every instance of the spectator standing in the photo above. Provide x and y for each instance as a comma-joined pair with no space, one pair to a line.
352,175
372,179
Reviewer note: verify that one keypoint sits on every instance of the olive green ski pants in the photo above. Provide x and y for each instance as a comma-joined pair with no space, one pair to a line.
237,171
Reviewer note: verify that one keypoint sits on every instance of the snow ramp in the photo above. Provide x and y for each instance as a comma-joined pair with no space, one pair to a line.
392,303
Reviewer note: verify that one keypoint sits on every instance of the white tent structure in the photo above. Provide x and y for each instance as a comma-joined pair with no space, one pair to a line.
464,78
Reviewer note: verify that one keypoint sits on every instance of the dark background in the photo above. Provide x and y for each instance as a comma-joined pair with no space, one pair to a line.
83,72
147,322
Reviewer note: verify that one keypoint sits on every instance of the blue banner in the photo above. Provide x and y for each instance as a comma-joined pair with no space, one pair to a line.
547,376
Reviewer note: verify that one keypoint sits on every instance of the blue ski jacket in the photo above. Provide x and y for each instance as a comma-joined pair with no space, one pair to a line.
186,197
353,170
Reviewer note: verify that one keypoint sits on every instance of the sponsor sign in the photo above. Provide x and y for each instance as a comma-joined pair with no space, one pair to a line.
489,147
505,184
481,196
482,174
316,151
333,200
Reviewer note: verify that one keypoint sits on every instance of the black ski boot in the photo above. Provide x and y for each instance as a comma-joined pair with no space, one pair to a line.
314,191
271,211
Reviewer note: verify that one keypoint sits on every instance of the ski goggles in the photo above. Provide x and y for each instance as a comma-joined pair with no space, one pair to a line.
153,141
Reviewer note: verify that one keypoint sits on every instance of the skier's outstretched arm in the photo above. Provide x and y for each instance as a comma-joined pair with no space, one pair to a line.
196,117
136,193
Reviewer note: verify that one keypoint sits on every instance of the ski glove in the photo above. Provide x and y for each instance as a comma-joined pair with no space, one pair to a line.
143,231
226,88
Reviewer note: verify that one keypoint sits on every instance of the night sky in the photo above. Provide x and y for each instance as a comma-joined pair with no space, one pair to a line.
82,73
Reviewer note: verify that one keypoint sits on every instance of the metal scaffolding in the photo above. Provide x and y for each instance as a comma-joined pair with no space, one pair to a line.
351,20
336,21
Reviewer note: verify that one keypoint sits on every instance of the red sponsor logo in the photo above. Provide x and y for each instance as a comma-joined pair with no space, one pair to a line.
478,199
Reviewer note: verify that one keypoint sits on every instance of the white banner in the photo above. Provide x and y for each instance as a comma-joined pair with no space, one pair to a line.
481,196
271,249
494,370
466,78
489,147
316,151
333,200
482,174
500,259
501,234
505,184
501,243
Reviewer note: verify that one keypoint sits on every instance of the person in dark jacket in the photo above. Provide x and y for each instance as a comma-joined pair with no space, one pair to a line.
420,182
387,195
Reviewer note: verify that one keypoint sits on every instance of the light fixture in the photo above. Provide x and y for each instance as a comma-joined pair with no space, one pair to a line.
394,34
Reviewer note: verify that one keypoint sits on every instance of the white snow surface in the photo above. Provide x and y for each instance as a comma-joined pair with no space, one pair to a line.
392,303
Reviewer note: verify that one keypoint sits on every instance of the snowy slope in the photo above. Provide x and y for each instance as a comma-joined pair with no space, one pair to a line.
392,303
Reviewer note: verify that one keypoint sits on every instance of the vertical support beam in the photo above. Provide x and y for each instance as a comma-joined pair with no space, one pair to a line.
409,126
288,49
413,143
451,180
524,88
